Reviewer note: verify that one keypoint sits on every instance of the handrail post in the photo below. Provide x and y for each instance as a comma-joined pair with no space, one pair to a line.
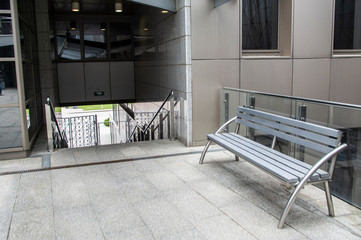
49,128
160,129
172,130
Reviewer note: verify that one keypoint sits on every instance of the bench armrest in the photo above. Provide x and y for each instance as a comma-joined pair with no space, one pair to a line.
226,124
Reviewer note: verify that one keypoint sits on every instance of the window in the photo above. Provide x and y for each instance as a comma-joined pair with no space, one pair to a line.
260,25
347,35
95,46
68,40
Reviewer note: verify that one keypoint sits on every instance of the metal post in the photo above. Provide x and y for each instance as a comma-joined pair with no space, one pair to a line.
172,126
302,110
160,128
152,132
252,105
49,128
226,110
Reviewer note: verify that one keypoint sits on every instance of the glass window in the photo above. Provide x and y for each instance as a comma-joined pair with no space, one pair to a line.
68,40
9,92
6,36
95,46
260,24
5,4
120,40
10,128
347,24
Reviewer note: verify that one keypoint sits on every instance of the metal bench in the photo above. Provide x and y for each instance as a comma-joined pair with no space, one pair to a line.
293,172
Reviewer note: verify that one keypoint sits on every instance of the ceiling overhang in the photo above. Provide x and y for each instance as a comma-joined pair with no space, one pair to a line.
169,5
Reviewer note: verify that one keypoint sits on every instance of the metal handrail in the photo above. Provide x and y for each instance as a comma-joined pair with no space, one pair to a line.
62,138
148,125
295,98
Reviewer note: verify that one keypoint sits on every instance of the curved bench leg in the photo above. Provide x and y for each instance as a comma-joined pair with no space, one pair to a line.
204,151
331,210
290,202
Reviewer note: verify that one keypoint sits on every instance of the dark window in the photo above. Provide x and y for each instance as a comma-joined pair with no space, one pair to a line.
95,46
6,36
68,40
120,40
347,24
5,4
260,24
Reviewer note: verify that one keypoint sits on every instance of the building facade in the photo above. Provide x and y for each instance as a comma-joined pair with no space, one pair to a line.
98,55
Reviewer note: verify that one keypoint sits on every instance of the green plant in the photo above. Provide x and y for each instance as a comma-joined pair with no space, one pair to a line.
106,122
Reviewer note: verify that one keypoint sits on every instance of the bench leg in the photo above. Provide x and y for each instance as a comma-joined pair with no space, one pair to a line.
290,202
204,151
331,210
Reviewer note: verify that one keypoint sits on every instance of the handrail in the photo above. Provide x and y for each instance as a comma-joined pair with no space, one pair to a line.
63,140
154,117
295,98
160,108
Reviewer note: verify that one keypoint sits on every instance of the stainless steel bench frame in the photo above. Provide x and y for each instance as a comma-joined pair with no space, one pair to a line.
331,155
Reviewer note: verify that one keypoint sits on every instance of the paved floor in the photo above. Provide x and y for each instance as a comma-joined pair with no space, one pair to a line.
164,197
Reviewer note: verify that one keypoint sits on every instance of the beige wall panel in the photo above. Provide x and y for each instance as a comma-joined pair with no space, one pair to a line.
346,80
208,78
215,31
267,75
311,78
312,28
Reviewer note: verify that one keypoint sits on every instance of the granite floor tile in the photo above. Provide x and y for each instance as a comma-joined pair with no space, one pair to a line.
222,227
33,224
77,223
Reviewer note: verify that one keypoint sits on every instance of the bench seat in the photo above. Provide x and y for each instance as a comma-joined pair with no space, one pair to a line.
286,168
293,172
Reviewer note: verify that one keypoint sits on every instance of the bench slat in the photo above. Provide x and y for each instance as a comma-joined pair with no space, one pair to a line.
300,141
323,174
305,125
276,126
280,173
279,157
283,163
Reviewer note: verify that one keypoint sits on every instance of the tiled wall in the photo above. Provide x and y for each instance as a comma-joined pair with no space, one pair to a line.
48,74
166,65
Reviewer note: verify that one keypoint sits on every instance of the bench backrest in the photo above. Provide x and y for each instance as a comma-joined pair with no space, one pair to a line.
319,138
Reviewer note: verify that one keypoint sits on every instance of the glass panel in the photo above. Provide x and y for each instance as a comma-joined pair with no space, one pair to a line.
120,40
347,175
95,46
347,24
5,4
6,36
10,129
25,41
260,24
8,92
68,40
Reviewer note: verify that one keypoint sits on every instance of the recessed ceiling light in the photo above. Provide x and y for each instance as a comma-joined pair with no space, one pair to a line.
75,6
164,11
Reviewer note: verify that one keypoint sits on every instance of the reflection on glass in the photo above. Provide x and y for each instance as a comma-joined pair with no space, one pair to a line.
8,92
120,40
5,4
10,129
95,46
260,24
347,24
68,41
6,36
